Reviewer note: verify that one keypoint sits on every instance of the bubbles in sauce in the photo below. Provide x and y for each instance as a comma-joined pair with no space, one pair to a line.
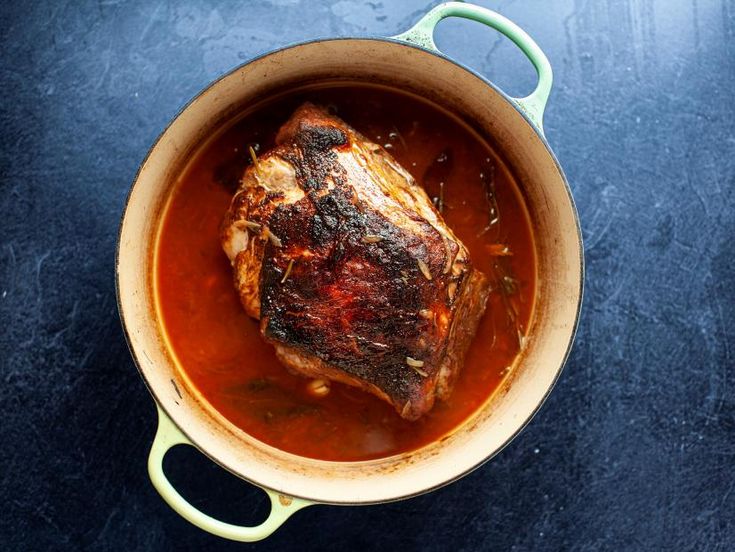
219,348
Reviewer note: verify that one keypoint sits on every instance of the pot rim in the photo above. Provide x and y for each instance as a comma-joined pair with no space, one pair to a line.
536,129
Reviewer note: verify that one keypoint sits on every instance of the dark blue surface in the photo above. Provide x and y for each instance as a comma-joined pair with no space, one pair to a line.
634,450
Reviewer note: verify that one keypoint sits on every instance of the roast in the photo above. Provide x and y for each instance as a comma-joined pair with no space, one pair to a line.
349,267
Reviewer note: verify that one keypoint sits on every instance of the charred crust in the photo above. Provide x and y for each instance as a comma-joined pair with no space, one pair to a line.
315,158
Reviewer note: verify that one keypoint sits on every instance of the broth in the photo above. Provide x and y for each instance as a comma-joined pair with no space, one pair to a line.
219,348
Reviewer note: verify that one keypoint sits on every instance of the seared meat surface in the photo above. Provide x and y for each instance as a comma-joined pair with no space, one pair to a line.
350,269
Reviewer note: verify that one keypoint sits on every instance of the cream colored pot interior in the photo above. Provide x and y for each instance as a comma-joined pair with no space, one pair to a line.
559,264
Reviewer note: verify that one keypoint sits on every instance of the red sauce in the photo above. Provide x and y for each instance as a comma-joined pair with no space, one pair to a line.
219,347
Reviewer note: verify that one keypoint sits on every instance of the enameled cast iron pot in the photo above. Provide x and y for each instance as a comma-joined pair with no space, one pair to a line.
410,61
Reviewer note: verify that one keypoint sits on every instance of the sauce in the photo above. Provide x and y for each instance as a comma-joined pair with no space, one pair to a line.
219,348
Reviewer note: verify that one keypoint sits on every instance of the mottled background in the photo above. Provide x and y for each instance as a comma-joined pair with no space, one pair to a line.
634,450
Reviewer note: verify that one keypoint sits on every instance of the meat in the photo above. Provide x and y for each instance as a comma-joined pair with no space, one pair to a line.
350,269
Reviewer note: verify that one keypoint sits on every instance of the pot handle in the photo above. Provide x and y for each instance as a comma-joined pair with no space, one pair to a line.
167,436
422,34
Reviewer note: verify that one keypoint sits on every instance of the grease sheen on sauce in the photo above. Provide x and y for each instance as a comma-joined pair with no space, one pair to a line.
219,347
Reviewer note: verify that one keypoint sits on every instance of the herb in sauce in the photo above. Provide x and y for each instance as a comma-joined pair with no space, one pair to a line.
436,177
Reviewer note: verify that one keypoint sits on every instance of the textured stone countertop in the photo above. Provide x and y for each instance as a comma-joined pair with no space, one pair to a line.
635,448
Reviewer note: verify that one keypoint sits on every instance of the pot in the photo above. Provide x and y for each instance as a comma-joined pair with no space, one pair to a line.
409,61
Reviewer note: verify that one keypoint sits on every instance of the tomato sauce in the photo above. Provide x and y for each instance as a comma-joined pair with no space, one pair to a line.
219,348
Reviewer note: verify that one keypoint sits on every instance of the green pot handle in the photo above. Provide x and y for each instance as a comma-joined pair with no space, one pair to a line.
422,34
167,436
